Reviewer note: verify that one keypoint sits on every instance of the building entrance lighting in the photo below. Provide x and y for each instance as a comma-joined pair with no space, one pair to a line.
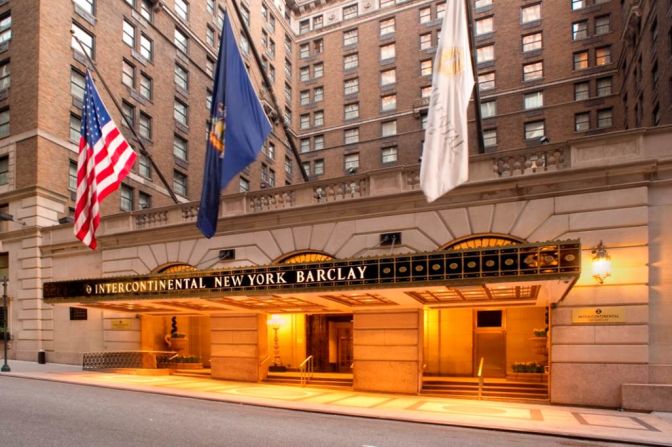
601,263
274,323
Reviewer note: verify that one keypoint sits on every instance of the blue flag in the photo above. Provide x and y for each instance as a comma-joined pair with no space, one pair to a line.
238,129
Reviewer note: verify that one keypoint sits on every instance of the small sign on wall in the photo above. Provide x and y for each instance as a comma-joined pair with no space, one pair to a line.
122,324
593,315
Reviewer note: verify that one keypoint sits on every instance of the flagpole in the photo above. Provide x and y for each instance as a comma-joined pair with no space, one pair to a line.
269,87
143,150
477,94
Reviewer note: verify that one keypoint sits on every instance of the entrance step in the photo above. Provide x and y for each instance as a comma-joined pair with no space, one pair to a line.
493,389
322,380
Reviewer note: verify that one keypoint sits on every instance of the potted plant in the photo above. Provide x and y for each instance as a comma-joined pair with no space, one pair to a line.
176,341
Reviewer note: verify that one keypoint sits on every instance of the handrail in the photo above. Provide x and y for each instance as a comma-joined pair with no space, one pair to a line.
480,378
306,370
264,360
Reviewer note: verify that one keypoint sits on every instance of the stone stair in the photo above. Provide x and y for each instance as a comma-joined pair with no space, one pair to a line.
322,380
492,389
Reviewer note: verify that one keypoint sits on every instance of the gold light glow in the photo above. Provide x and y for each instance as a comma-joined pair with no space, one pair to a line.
601,263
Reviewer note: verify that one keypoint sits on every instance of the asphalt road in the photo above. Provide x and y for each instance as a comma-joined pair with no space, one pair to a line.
42,413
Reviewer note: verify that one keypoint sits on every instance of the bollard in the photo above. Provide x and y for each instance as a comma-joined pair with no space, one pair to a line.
41,357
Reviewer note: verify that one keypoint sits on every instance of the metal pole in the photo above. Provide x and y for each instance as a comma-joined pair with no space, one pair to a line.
5,367
269,87
477,94
143,150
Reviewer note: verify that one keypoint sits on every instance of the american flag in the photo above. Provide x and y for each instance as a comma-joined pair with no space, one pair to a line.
105,158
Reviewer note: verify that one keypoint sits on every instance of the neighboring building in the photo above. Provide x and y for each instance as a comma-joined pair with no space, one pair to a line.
352,80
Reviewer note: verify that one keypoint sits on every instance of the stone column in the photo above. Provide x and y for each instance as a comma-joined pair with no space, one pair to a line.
239,344
387,351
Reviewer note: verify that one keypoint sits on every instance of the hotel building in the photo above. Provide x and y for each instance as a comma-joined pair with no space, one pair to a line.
363,276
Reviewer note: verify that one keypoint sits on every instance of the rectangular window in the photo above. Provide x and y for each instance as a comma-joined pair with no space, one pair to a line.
581,91
350,61
580,30
580,60
602,56
351,136
75,128
269,150
210,36
485,54
388,155
304,73
144,200
145,86
318,167
181,41
532,42
318,94
318,70
318,118
304,145
126,194
128,112
128,34
5,75
488,109
426,67
426,41
533,100
180,183
304,121
533,71
350,12
578,4
77,85
318,46
351,163
529,14
305,97
244,185
387,27
478,4
4,170
604,86
181,78
146,47
85,5
388,128
388,103
181,112
486,81
485,26
145,126
72,175
182,9
79,314
387,52
304,50
534,130
318,142
582,122
84,37
602,25
180,148
146,8
490,138
288,166
426,91
425,15
350,37
144,166
388,77
351,111
351,86
127,74
604,118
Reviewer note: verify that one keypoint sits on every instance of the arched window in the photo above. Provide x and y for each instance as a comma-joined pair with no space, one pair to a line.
174,268
303,257
482,241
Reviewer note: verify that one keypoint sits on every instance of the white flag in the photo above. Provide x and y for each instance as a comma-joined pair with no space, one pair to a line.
445,154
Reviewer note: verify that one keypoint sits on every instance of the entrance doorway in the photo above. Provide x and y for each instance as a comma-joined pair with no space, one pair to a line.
490,343
329,341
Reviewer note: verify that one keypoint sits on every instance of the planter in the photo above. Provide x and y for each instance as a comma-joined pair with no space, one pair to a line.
186,365
177,344
527,377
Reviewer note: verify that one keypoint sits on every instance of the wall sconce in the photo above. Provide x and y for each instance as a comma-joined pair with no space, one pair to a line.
274,323
601,263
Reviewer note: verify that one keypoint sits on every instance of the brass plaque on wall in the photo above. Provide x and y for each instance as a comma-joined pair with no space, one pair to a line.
122,324
598,315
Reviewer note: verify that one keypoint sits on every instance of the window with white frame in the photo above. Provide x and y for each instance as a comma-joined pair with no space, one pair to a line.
126,198
318,167
425,15
304,145
533,100
351,136
582,122
146,10
77,85
580,30
532,42
318,142
318,70
182,9
490,138
318,94
128,33
531,13
145,126
351,162
485,54
350,12
4,123
604,86
351,86
181,78
75,128
351,111
486,81
145,86
484,26
146,47
581,91
388,154
532,71
78,32
388,103
388,77
127,74
318,118
85,5
426,67
304,97
181,112
144,166
350,37
387,52
488,109
181,41
534,130
4,171
304,121
388,128
72,173
350,61
604,118
425,41
180,183
144,200
387,27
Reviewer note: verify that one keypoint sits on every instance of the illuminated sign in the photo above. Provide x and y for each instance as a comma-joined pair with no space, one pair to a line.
533,261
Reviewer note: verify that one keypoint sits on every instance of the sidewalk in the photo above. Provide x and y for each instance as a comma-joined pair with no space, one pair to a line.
587,423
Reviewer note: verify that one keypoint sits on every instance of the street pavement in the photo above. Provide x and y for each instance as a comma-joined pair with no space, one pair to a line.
575,423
